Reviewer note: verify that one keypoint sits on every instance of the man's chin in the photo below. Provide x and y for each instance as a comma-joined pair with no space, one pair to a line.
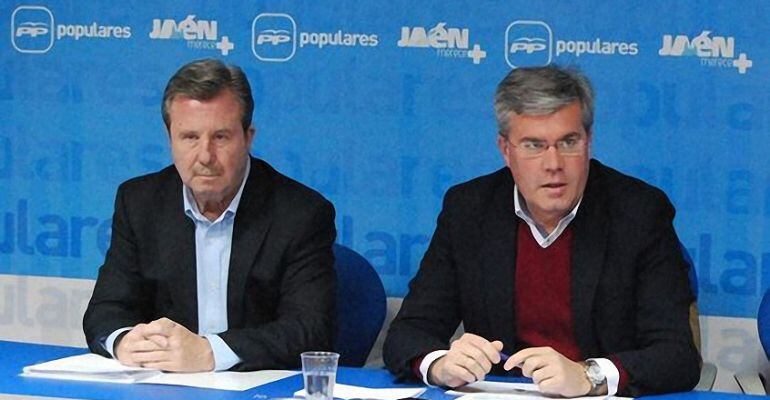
558,208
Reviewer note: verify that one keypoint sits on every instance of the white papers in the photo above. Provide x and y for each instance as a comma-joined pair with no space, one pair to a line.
92,367
484,390
225,380
352,392
88,367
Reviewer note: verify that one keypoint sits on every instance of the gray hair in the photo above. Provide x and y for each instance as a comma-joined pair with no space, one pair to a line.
542,91
204,80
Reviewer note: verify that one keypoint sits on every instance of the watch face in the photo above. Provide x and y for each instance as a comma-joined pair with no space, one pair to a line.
594,373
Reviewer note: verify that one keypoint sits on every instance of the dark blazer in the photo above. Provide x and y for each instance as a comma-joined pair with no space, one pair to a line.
629,287
281,282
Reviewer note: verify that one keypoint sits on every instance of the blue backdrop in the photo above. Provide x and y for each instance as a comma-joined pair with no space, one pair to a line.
381,106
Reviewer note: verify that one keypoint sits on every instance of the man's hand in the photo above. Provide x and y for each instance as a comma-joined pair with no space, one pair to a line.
133,343
166,345
469,359
552,372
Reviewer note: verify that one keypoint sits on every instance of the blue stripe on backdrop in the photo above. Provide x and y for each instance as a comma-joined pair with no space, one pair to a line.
383,106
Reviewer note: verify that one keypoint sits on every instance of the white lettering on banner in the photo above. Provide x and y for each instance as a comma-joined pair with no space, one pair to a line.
531,43
274,38
714,51
437,37
448,42
199,34
528,44
701,46
597,46
321,39
92,31
187,29
33,27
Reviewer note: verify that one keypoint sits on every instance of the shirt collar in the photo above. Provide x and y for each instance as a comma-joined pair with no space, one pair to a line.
539,233
191,207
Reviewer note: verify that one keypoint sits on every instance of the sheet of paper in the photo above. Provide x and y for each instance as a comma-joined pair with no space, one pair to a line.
88,363
224,380
352,392
73,376
485,387
485,390
88,367
92,367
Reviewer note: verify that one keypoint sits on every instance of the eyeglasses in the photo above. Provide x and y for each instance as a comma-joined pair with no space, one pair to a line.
568,146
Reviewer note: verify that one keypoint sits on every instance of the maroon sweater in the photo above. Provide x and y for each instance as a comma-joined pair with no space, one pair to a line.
542,293
543,300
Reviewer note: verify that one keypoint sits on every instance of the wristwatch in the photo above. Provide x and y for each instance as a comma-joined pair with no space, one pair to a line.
595,375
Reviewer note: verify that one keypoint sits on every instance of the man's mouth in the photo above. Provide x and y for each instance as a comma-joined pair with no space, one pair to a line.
206,174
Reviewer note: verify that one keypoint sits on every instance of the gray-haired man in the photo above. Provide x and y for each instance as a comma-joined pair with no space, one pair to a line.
568,266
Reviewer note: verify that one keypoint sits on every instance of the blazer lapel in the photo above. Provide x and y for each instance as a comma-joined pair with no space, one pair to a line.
251,224
588,251
177,236
498,261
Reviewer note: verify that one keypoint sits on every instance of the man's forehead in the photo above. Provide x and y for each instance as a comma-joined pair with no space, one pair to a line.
544,132
561,123
185,97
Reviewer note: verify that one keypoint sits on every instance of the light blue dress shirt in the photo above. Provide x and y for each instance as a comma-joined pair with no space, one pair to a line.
213,242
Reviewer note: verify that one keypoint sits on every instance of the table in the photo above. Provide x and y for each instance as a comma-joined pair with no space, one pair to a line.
14,356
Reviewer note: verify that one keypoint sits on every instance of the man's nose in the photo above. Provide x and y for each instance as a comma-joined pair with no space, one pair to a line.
206,153
552,159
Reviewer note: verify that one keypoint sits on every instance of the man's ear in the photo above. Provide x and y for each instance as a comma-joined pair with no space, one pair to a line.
502,145
251,133
589,141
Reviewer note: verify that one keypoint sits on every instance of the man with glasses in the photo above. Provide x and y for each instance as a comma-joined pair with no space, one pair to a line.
560,268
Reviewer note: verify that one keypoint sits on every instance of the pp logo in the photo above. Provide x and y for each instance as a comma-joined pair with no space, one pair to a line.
528,44
273,37
32,29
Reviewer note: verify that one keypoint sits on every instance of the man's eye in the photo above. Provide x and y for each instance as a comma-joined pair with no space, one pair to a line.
569,142
532,144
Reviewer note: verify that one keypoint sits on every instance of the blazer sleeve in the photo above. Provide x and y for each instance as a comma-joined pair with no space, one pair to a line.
430,313
120,297
665,358
305,316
